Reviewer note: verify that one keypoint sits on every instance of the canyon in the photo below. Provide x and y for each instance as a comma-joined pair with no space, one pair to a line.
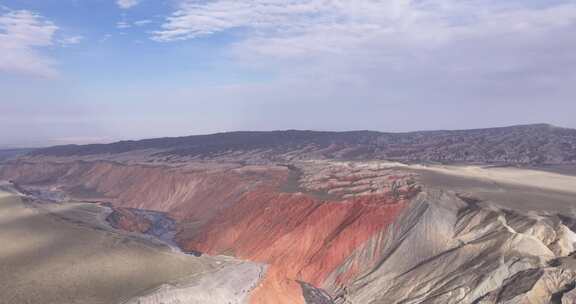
320,217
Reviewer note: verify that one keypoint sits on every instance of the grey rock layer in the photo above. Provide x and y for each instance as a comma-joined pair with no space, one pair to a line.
446,249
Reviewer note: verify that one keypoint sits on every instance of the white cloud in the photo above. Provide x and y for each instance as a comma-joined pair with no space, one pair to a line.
126,4
142,22
326,25
396,50
105,38
123,25
127,24
22,35
71,40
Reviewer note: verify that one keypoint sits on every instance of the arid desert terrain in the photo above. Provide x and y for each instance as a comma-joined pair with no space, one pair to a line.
294,217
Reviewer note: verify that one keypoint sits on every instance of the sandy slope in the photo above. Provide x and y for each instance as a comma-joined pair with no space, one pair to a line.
509,175
51,259
517,188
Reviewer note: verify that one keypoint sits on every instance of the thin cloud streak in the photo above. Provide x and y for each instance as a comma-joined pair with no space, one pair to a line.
127,4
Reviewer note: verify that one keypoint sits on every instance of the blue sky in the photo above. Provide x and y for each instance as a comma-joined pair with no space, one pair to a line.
78,71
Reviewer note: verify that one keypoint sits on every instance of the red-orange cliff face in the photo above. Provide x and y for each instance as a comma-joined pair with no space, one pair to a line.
302,238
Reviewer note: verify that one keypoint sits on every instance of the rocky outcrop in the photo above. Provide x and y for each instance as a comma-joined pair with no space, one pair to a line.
533,286
566,296
128,220
313,295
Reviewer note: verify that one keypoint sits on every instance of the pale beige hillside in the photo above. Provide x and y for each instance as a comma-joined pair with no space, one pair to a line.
64,256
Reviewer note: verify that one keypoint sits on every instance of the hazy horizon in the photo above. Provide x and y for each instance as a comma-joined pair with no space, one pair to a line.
8,147
75,72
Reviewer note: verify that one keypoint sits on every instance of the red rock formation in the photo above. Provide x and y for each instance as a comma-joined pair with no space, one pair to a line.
302,238
241,212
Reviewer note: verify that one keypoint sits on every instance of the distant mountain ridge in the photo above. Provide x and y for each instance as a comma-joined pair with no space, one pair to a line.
523,144
13,152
